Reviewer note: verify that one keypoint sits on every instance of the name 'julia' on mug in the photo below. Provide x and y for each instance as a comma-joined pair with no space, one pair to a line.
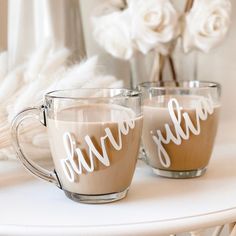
204,108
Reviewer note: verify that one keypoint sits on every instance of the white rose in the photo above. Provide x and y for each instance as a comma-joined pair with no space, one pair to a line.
154,24
112,32
206,24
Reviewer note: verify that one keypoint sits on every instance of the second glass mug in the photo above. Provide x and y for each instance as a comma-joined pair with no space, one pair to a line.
94,137
180,124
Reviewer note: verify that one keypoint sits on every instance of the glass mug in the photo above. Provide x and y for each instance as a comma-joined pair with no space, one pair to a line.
180,125
94,137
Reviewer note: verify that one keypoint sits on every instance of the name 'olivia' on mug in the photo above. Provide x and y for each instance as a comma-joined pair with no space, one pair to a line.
76,161
95,156
94,137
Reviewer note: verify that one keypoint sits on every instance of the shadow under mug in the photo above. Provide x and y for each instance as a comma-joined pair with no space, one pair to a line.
180,125
94,137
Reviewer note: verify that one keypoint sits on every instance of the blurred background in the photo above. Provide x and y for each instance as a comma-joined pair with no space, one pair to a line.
25,24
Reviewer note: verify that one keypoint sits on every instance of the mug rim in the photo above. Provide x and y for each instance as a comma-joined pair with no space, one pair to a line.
124,93
203,84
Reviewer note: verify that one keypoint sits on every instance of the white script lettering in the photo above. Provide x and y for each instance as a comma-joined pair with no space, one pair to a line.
70,166
204,107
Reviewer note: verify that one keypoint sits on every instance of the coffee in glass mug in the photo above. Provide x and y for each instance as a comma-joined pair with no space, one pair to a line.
180,125
94,137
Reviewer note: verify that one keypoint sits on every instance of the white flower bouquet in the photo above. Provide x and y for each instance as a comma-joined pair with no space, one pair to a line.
126,27
206,25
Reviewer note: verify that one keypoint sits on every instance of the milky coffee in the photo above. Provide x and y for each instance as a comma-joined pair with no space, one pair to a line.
179,131
95,147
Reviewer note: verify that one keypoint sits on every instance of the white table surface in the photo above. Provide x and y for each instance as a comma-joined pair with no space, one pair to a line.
154,206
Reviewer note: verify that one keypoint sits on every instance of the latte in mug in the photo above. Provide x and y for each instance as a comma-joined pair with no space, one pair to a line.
179,133
97,153
94,137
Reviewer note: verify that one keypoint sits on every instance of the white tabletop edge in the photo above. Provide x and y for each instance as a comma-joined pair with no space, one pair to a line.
178,225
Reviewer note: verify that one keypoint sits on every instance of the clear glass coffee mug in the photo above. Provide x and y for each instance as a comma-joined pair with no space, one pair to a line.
94,137
179,127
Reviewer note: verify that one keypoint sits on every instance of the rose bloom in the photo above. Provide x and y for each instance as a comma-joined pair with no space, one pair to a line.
112,32
206,24
154,24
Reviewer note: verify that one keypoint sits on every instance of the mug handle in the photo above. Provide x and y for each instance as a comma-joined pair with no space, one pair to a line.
31,113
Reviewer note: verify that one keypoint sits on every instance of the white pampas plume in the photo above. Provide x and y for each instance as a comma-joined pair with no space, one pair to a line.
77,76
55,61
99,82
10,84
27,98
37,60
25,86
